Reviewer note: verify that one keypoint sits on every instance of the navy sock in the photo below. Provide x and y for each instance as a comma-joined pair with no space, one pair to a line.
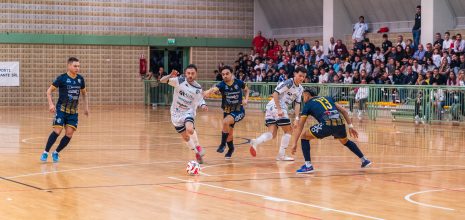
230,145
63,143
224,136
353,147
306,149
51,140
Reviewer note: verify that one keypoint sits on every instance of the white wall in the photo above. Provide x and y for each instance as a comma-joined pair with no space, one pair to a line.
336,21
260,22
437,16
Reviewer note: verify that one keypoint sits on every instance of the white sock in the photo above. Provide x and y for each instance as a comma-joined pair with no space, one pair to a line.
190,144
284,143
308,163
195,139
45,152
264,138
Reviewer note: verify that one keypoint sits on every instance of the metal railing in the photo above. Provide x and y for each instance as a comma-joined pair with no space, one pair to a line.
399,102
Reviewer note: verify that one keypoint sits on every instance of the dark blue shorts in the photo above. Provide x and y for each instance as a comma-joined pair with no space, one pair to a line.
237,115
64,119
322,130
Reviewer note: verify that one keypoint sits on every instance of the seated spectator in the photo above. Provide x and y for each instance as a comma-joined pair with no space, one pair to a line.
429,66
378,55
408,52
438,78
416,67
331,47
317,47
356,64
419,54
411,77
446,43
461,78
436,58
340,49
459,44
356,79
400,41
452,80
386,45
347,78
444,66
323,77
398,78
302,47
365,66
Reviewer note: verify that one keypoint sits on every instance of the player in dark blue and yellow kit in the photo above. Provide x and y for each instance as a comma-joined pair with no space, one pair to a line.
70,86
330,123
232,103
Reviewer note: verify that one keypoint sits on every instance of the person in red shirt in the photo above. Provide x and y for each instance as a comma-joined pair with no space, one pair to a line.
259,42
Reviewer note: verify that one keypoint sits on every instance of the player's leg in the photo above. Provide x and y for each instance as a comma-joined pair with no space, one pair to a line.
228,120
230,143
270,134
287,129
270,122
305,142
192,141
341,135
58,124
69,131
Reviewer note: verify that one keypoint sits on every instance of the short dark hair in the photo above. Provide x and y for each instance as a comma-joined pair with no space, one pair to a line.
447,32
419,6
226,67
311,90
192,66
300,69
362,17
385,36
72,59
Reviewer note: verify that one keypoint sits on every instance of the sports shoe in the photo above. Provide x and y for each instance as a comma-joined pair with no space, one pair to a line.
284,158
366,164
359,115
44,157
55,157
228,154
221,148
253,148
304,169
417,119
199,154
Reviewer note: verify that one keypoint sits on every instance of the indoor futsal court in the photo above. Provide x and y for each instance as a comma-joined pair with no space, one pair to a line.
126,164
103,109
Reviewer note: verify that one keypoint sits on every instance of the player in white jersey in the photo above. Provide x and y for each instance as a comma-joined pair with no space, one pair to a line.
187,97
286,93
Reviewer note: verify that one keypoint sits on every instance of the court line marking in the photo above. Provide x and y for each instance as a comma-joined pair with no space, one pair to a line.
100,167
322,208
409,199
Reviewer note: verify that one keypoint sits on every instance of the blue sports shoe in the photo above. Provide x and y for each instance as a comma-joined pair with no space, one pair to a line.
305,169
44,157
366,164
221,148
55,157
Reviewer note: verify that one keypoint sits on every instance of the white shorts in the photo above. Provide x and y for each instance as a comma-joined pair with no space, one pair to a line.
272,118
179,120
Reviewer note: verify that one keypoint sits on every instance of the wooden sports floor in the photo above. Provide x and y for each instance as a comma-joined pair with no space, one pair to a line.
127,162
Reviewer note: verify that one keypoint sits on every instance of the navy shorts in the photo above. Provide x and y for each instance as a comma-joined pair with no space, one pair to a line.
64,119
322,130
237,115
182,128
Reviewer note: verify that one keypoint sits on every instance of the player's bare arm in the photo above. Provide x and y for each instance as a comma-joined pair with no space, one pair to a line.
51,106
297,133
343,111
246,93
297,114
210,91
86,101
165,79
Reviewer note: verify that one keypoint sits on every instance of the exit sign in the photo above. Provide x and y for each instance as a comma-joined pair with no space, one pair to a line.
171,41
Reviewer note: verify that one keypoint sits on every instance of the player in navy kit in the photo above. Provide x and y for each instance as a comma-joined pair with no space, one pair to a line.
70,86
330,123
231,90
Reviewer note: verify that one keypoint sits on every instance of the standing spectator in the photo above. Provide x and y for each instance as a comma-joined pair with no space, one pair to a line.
360,28
361,97
331,47
416,30
438,41
259,42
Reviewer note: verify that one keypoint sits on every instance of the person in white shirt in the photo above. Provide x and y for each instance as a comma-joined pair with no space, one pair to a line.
361,97
285,94
378,55
331,46
187,97
316,47
447,41
400,41
459,44
360,28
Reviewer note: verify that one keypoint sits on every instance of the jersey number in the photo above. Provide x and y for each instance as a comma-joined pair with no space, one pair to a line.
325,103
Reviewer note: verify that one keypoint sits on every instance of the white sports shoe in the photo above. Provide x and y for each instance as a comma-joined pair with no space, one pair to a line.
284,158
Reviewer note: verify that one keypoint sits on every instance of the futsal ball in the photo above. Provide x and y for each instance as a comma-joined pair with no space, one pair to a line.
193,168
